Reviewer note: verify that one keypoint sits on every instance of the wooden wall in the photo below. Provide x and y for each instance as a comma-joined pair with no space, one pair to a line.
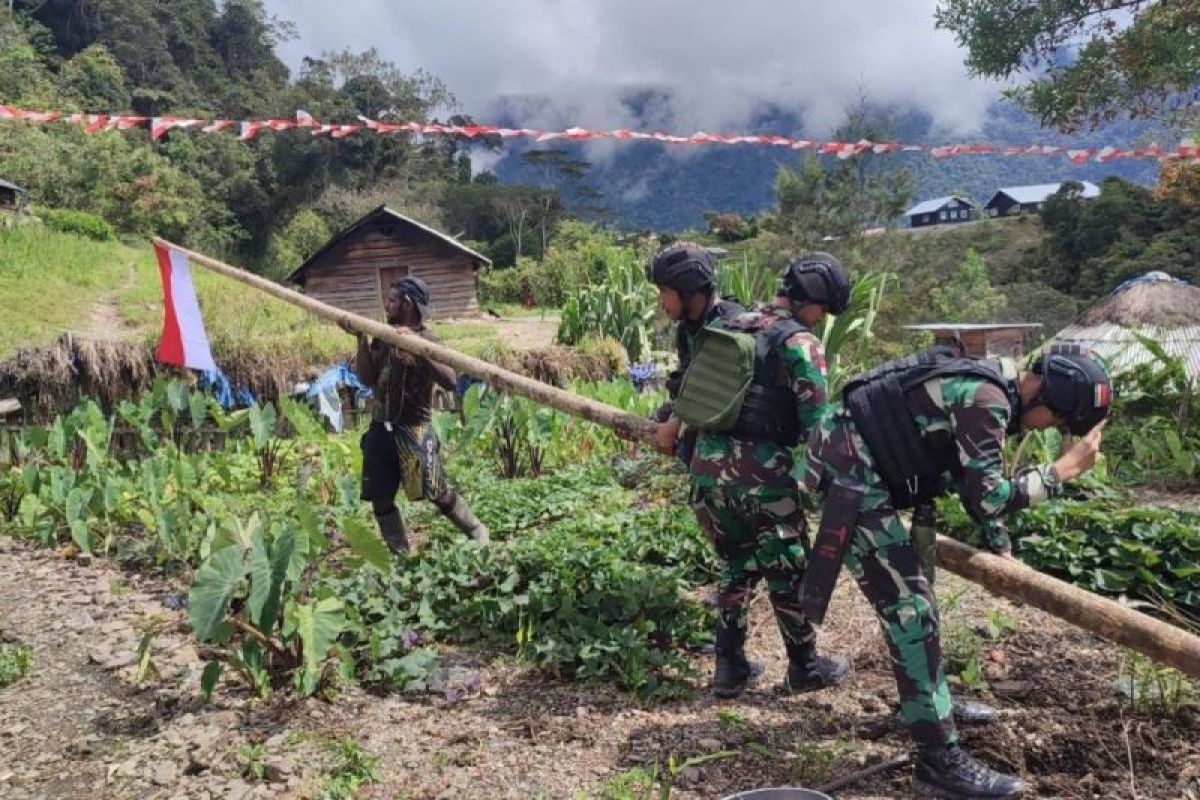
989,344
348,275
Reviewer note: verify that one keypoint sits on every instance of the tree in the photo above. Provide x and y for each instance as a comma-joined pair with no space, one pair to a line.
968,296
816,202
1087,60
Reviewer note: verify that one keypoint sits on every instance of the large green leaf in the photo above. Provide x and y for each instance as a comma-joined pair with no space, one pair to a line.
268,569
216,581
367,543
318,625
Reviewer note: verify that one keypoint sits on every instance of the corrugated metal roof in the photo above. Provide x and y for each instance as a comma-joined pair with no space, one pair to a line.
935,204
1117,344
973,326
1039,192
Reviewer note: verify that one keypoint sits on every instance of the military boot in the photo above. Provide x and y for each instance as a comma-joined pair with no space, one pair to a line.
455,509
951,773
968,712
733,671
808,672
391,528
972,712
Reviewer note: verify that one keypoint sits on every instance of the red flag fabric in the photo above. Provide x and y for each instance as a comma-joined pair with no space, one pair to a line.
183,341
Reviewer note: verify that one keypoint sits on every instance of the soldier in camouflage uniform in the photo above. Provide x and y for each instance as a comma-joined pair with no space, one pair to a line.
400,449
742,490
961,421
685,274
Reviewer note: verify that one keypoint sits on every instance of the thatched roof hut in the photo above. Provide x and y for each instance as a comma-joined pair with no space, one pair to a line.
1155,306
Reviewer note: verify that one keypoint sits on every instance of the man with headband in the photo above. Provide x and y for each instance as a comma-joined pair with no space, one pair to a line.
400,448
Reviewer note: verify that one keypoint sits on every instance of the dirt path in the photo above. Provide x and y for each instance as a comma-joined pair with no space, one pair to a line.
79,726
105,323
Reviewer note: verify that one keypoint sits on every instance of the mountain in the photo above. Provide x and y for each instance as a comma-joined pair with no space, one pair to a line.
669,187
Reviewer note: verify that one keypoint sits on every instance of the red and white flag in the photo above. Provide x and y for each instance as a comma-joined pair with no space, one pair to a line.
183,341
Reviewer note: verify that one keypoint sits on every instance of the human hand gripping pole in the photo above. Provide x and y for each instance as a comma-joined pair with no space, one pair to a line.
625,424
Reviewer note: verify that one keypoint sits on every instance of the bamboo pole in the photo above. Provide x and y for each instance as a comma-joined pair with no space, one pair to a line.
627,425
1007,577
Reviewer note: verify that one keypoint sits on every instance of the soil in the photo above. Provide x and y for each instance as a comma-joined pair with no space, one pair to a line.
105,323
519,333
79,725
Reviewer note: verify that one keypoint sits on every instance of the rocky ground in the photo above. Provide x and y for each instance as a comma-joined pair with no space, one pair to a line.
81,725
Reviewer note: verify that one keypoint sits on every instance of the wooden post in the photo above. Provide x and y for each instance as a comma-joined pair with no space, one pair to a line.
1007,577
630,426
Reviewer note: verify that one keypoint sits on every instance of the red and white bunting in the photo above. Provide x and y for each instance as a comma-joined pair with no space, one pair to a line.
248,130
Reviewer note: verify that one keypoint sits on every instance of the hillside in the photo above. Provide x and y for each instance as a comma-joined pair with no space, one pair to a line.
661,187
111,291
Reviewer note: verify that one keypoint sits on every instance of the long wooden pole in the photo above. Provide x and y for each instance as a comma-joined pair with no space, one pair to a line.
1006,577
631,426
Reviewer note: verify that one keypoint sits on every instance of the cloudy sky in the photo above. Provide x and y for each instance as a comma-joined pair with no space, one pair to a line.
719,60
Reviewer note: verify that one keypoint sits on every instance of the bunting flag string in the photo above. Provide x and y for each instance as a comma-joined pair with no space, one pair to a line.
248,130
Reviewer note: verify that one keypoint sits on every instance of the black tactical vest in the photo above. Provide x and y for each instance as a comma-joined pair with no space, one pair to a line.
911,464
769,408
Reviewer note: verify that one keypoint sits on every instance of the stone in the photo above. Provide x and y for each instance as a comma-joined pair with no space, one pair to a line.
278,769
709,745
239,790
690,774
165,774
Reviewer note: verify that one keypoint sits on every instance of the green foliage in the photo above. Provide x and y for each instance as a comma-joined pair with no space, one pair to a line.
352,769
1110,59
846,338
293,586
968,296
621,306
1095,244
1148,553
1154,436
77,222
1151,688
197,58
750,281
15,662
576,257
965,641
730,227
839,198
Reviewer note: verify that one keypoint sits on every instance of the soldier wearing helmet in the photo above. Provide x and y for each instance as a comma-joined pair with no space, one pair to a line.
685,275
742,491
906,432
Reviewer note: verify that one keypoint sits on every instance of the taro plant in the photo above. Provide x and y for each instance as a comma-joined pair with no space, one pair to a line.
252,601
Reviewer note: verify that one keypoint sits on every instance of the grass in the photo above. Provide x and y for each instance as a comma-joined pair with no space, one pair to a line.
54,280
15,661
467,337
50,281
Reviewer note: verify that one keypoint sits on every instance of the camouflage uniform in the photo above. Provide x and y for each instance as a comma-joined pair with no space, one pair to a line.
748,503
881,556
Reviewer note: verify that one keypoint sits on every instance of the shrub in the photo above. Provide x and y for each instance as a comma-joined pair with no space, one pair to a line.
78,222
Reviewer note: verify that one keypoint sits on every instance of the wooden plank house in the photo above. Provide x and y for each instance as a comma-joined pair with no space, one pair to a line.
353,269
983,340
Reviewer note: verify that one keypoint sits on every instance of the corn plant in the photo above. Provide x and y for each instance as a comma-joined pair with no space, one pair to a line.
846,337
621,306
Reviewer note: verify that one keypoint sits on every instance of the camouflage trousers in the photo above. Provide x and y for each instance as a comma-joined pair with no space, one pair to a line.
884,562
757,538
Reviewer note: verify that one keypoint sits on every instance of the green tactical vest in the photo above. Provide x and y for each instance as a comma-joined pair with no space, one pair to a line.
717,380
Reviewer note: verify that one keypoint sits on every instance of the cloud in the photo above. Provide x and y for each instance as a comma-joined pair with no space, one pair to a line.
701,65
